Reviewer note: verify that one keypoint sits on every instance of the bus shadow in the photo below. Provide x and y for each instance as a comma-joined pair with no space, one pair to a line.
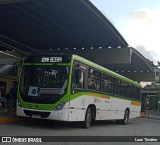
52,124
39,123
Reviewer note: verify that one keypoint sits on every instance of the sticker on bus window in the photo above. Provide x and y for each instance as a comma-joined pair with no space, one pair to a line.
33,91
50,90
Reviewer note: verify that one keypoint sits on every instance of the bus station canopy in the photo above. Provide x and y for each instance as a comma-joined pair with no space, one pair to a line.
66,26
47,25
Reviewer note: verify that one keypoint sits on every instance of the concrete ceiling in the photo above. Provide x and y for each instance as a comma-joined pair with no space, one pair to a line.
67,26
46,25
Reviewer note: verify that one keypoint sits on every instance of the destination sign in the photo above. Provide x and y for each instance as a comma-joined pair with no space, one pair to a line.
50,91
48,59
51,59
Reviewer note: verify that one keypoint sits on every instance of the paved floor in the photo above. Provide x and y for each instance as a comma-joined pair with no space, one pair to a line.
136,127
13,126
6,118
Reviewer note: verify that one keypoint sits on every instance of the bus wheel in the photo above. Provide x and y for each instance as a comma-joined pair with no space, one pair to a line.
126,118
87,122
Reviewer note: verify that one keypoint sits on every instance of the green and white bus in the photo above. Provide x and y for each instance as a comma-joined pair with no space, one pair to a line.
71,88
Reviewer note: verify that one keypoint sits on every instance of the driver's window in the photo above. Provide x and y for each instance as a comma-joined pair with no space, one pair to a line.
81,80
78,77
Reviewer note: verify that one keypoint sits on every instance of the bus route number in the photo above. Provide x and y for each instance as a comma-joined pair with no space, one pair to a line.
51,59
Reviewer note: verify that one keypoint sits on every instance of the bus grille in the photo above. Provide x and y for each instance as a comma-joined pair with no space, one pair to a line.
42,114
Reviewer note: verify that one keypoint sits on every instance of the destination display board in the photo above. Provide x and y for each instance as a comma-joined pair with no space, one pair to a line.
48,59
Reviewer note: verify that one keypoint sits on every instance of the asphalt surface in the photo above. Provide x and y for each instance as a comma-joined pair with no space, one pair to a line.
136,127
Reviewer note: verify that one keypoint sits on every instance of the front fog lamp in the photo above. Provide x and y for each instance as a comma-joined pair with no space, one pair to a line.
19,103
60,106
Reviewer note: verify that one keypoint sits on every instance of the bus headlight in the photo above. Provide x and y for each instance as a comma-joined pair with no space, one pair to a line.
19,103
60,106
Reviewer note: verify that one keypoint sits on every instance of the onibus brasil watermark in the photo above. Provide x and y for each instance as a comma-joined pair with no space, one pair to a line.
21,139
30,139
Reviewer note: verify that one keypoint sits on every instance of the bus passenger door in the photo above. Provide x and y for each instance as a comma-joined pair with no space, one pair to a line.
77,98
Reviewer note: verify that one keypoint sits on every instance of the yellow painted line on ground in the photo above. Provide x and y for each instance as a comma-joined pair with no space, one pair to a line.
4,120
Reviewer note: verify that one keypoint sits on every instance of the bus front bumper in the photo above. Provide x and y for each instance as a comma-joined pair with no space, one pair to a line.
61,115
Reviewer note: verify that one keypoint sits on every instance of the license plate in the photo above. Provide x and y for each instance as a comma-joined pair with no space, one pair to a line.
36,116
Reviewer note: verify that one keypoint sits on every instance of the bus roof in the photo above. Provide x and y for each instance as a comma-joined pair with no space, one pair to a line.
116,75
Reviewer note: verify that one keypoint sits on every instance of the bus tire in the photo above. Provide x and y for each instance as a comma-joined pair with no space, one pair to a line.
125,120
87,122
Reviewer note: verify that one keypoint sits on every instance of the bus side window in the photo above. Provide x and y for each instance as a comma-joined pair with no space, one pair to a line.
137,93
129,91
132,92
125,89
106,83
94,80
78,78
116,86
82,80
91,83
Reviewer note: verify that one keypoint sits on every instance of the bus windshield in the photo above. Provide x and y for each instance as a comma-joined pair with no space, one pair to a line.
44,80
